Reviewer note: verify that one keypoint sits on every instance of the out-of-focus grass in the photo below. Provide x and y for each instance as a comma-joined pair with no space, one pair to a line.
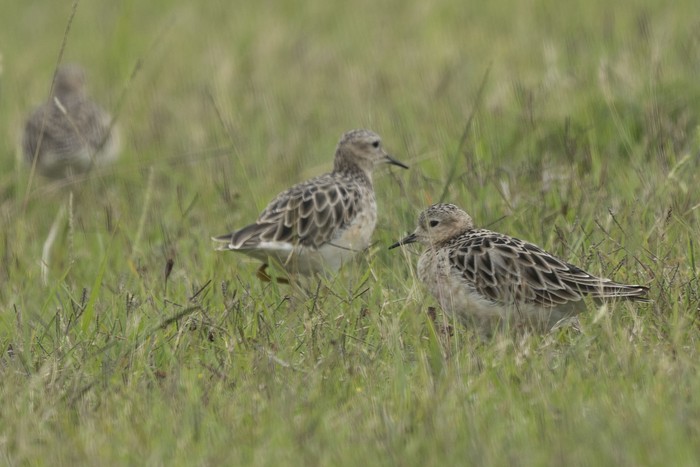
585,140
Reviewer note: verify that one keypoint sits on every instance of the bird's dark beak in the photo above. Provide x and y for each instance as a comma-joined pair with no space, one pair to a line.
391,160
405,241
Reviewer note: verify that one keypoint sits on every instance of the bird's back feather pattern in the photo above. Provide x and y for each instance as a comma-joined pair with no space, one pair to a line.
508,270
309,214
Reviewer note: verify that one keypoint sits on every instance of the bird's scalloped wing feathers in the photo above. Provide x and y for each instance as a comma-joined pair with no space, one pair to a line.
308,214
508,270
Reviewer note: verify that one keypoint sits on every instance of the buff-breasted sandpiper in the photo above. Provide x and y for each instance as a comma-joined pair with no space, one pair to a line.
319,224
490,280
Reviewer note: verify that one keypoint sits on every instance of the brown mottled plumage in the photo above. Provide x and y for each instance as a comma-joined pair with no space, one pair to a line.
318,224
69,134
489,279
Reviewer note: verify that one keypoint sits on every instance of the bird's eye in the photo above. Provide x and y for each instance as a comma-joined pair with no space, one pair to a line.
375,144
434,223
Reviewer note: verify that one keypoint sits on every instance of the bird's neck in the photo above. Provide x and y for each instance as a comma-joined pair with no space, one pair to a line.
344,167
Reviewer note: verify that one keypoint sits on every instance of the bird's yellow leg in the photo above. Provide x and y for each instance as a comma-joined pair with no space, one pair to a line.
265,277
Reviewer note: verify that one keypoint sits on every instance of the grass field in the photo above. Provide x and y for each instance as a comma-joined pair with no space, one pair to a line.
584,138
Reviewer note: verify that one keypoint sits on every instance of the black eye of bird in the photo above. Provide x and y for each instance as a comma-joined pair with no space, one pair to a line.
375,144
434,223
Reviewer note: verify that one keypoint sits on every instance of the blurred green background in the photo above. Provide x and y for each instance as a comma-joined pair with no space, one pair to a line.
583,139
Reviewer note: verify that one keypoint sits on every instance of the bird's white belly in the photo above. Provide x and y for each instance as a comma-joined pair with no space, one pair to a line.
351,241
330,257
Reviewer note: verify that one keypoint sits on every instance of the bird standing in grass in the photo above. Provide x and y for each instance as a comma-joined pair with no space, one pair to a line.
488,279
317,225
69,134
